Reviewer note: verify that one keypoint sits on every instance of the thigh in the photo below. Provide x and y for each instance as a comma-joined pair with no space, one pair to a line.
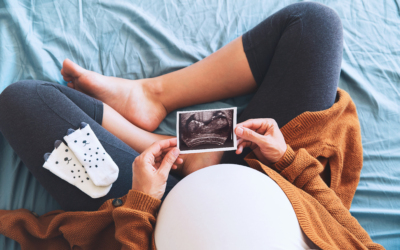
34,114
295,56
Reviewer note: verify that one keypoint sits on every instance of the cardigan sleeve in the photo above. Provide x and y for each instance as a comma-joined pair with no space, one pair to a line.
135,221
303,171
134,225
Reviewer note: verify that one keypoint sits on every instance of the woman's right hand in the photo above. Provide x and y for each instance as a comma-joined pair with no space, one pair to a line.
263,137
151,168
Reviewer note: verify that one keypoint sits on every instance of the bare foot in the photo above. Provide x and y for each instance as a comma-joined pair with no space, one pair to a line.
133,99
194,162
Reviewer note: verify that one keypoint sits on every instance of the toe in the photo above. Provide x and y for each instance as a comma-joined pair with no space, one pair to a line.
68,79
72,69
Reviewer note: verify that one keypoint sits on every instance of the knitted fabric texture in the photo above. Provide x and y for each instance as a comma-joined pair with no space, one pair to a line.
317,142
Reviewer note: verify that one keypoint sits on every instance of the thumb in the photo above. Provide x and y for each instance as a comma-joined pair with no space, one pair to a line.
168,161
249,135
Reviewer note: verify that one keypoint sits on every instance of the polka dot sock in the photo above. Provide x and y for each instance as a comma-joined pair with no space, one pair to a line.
63,163
88,150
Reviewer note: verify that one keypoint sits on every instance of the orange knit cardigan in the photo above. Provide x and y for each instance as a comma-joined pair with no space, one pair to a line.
316,141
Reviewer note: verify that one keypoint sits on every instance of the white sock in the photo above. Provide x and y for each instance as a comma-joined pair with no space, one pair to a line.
63,163
87,148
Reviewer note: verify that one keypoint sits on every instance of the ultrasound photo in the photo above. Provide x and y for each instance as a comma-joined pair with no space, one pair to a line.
206,130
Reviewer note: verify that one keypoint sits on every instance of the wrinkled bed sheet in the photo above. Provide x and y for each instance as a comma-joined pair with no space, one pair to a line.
147,38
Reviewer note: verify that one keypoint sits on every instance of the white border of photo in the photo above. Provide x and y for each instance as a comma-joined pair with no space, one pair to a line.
208,149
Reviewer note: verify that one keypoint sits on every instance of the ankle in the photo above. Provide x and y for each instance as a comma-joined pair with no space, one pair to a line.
155,90
153,86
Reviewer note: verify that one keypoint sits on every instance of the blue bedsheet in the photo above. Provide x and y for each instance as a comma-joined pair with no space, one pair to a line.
146,38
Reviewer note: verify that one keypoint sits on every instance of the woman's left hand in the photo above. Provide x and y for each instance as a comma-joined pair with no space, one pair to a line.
151,168
263,137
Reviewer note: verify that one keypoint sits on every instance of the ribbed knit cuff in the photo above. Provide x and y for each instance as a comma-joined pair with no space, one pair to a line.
285,161
140,201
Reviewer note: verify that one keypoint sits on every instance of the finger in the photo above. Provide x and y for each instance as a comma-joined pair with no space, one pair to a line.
165,150
158,159
172,142
239,141
168,161
260,125
248,144
251,124
162,155
179,160
249,135
156,148
239,149
245,144
152,161
154,152
159,154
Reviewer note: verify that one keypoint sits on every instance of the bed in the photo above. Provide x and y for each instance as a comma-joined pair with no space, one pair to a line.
146,38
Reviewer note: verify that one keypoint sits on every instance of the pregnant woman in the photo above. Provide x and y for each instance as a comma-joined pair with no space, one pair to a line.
302,130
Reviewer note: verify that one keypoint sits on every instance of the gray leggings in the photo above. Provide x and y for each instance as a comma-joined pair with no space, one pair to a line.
34,114
295,57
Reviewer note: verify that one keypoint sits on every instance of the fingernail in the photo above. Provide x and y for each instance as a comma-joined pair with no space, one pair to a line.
175,151
239,131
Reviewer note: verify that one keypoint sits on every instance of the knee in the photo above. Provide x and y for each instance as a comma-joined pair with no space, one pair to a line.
16,90
16,95
319,14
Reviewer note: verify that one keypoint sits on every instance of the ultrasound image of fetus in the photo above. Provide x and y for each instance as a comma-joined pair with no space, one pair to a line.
206,127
